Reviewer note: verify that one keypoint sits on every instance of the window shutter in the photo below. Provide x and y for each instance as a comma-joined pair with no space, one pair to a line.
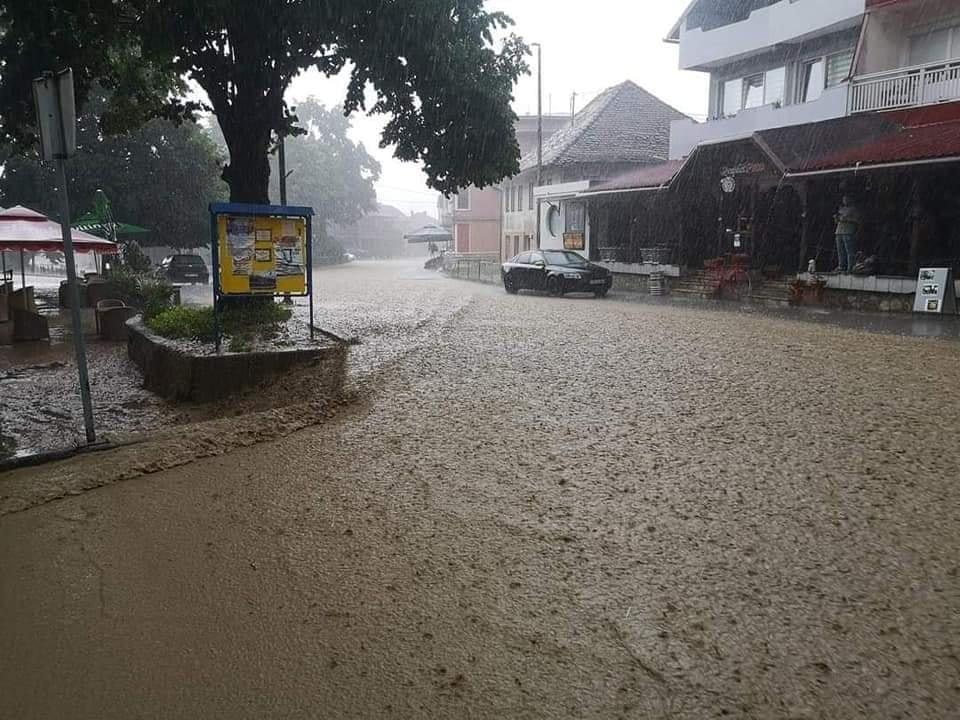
838,67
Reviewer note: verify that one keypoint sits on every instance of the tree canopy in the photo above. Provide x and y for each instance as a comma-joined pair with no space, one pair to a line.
431,63
161,176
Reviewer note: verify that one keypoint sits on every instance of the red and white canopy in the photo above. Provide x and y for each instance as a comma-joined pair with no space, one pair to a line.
25,229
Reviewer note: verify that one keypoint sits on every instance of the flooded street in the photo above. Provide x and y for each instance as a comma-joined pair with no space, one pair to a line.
531,508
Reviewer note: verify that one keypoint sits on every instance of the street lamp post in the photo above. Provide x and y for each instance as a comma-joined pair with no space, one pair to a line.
539,130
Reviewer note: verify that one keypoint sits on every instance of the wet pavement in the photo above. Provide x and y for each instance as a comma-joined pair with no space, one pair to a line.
533,508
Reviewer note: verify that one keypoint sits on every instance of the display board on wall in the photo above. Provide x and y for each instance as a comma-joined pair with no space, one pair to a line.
262,254
936,293
574,241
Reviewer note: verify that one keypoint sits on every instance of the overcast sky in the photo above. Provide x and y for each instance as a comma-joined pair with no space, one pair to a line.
587,47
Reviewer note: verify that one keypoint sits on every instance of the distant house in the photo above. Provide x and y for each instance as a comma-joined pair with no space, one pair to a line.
624,128
380,233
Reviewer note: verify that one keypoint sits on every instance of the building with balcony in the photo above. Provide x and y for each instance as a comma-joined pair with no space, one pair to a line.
771,64
811,102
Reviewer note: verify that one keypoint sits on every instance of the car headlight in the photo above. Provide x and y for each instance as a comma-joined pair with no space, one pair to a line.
573,276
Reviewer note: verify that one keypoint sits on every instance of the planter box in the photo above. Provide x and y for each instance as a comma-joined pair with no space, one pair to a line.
179,374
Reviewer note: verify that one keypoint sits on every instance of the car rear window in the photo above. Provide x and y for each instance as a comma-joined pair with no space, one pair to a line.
189,260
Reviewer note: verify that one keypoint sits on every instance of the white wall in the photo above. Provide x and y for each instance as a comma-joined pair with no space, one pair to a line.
787,21
685,135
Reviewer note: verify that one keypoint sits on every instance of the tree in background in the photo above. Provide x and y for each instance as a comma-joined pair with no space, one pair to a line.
328,172
161,176
430,63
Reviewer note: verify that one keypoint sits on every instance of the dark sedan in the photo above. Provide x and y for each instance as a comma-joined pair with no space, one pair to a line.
184,269
556,272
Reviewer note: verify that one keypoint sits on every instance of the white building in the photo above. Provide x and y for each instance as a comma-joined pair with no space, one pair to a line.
776,63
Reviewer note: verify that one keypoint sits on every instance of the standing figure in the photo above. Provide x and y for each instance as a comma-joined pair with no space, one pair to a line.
848,224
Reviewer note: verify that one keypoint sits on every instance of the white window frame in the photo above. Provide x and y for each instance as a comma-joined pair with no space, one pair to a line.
463,193
798,75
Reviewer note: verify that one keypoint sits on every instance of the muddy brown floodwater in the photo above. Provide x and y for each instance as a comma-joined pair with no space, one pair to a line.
535,508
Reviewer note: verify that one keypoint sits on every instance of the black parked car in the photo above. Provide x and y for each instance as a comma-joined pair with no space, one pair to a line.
555,271
184,269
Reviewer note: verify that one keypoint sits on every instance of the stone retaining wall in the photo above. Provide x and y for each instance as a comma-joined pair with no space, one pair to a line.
175,373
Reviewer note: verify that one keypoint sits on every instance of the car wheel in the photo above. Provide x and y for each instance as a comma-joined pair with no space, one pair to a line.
601,293
554,287
509,285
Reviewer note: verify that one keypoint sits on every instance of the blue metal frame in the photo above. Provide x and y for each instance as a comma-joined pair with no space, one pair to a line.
244,209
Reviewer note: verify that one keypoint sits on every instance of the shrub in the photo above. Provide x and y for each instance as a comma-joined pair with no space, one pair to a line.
239,321
184,323
150,295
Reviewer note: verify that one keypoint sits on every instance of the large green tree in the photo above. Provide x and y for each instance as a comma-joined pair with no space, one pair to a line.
161,176
327,170
432,64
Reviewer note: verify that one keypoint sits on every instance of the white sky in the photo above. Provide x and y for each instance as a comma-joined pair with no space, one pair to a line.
587,47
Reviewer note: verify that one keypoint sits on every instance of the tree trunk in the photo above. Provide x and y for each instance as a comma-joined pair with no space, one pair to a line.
248,173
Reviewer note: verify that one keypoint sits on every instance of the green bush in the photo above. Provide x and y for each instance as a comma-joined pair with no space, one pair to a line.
150,295
184,323
240,321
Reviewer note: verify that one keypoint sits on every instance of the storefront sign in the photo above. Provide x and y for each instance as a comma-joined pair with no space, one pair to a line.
728,184
262,254
574,241
936,293
745,168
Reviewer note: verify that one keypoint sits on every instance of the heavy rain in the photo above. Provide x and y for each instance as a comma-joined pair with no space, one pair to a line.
480,359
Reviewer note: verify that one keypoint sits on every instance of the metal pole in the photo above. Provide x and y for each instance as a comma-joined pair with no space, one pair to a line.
539,118
74,294
23,272
282,167
310,269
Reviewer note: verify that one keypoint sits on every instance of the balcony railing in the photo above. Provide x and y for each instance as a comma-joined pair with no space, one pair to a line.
906,87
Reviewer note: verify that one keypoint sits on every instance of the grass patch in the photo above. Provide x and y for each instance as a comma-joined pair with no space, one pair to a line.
184,323
242,323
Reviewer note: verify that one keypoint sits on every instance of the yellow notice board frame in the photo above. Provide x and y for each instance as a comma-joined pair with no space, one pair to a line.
262,255
261,251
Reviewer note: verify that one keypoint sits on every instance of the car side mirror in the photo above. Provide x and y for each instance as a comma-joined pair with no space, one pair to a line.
540,263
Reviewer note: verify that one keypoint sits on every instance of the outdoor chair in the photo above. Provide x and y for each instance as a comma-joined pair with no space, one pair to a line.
111,319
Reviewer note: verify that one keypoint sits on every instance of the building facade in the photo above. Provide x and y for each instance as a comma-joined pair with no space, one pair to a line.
624,128
776,63
476,217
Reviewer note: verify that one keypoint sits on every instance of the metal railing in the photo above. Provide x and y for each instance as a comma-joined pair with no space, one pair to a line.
906,87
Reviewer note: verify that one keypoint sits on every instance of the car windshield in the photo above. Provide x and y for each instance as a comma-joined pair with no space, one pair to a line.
563,257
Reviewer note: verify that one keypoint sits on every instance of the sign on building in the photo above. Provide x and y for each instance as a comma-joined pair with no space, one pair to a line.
936,293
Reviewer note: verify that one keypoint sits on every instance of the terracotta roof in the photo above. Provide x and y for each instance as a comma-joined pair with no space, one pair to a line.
644,178
624,124
928,133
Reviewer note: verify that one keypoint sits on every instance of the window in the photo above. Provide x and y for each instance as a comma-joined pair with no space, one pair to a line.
812,80
838,68
510,199
519,198
463,199
930,47
774,92
753,91
575,218
531,204
523,259
732,97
